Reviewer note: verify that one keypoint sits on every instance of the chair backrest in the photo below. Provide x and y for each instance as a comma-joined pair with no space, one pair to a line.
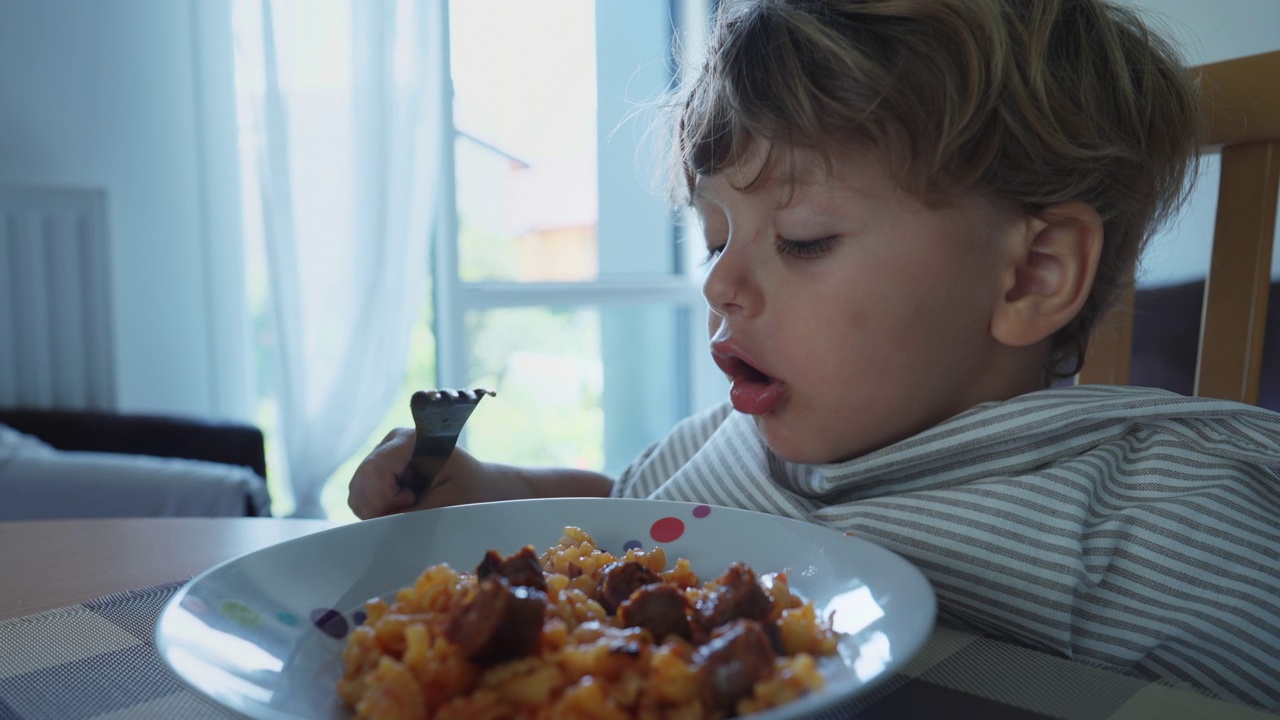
1242,98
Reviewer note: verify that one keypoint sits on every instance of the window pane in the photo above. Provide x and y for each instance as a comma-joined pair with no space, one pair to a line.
555,369
525,110
554,180
545,365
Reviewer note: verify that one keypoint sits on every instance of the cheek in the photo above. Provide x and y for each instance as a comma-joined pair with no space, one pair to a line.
938,325
846,347
949,289
890,332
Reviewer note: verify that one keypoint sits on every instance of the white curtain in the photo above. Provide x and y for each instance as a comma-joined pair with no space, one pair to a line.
348,120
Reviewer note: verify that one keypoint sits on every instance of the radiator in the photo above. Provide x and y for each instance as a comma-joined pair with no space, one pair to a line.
55,300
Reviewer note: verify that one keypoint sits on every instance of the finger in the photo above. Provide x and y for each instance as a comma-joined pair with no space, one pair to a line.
367,505
372,493
373,490
403,500
359,502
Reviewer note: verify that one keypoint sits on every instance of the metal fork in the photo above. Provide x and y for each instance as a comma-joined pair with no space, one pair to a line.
438,417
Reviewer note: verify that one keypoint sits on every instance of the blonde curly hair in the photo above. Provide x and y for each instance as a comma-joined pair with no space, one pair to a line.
1038,101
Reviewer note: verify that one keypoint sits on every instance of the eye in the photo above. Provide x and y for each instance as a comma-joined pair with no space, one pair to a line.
712,254
805,249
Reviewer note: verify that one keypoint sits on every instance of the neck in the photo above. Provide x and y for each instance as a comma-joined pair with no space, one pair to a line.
1014,371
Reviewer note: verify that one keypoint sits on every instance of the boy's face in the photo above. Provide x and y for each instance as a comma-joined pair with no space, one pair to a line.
846,313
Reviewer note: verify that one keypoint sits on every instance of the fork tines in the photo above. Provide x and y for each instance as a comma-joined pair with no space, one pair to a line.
450,396
441,413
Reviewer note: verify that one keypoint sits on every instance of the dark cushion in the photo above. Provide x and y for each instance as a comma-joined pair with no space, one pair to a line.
167,436
1166,334
159,435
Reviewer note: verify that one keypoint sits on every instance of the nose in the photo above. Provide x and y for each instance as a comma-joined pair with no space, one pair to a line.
730,285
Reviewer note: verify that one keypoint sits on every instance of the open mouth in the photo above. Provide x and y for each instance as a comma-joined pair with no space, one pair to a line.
752,391
740,370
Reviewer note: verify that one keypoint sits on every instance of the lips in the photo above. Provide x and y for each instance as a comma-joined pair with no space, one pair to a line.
752,391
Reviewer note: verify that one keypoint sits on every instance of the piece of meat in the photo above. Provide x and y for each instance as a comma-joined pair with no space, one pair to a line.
500,622
618,580
737,655
774,634
659,608
521,569
737,596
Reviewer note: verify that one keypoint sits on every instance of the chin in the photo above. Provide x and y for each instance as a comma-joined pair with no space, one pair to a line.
802,450
809,448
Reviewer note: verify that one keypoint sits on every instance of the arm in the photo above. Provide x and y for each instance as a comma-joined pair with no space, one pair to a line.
463,480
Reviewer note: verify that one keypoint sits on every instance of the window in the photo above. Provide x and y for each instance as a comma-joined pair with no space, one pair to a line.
562,280
559,275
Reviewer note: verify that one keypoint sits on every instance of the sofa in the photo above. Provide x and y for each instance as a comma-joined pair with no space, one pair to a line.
72,464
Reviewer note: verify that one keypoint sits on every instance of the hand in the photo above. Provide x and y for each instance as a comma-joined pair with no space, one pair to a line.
373,490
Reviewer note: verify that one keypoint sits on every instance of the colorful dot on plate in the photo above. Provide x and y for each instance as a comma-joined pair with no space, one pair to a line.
702,511
667,529
286,618
330,621
240,613
195,605
631,545
359,616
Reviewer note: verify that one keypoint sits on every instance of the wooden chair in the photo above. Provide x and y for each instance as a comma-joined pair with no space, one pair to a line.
1242,99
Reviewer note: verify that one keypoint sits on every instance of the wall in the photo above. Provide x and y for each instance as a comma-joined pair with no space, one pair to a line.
1207,32
136,96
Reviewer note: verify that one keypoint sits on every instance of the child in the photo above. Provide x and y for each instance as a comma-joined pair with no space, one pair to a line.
914,214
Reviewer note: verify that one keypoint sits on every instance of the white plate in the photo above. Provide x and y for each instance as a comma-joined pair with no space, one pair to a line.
262,634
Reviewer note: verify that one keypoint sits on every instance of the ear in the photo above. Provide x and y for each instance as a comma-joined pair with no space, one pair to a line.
1049,274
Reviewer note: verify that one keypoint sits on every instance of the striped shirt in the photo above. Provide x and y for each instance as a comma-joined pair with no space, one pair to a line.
1127,527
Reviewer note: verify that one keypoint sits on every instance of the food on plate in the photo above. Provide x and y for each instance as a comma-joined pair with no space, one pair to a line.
581,633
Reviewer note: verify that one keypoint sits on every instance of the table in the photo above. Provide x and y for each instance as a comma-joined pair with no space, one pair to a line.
48,564
79,599
54,576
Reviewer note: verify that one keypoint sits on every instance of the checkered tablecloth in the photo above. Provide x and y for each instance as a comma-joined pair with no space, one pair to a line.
98,660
